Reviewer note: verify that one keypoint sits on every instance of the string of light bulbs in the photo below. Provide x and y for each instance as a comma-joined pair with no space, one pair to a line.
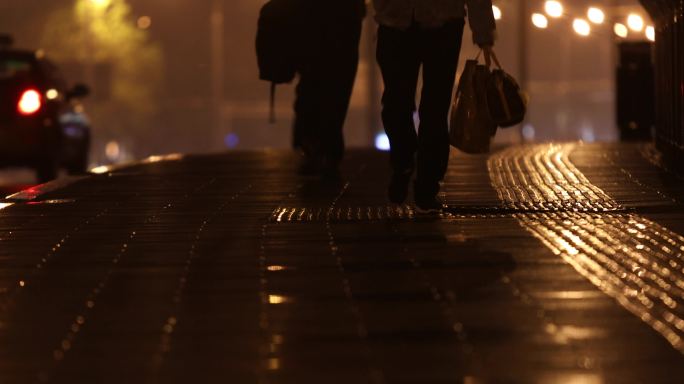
584,24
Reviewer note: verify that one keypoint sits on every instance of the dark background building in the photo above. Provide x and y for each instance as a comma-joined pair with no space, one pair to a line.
669,58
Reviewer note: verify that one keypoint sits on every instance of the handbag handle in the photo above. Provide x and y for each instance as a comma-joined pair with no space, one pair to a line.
493,57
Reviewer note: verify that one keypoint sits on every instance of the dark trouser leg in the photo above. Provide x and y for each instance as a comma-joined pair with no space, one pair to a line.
307,112
440,48
341,52
399,62
325,86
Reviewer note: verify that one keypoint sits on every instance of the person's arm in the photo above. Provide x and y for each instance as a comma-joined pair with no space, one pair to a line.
481,20
483,26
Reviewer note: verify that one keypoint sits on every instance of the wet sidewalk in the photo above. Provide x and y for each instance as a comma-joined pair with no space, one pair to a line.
555,263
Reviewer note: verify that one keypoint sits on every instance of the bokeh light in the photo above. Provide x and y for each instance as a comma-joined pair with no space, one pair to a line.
540,21
144,22
553,8
596,15
621,30
113,151
382,142
231,140
635,22
497,12
52,94
581,27
100,3
30,102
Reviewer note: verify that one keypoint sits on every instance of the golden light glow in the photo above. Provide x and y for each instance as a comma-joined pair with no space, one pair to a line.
553,8
497,12
593,244
52,94
650,33
635,22
581,27
144,22
113,150
275,268
160,158
100,3
620,30
540,21
569,295
581,333
277,299
273,364
100,170
596,15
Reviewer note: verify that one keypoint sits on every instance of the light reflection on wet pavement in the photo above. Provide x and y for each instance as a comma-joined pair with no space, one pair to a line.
231,268
632,259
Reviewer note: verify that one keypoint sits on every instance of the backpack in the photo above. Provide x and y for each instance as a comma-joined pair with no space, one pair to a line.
277,43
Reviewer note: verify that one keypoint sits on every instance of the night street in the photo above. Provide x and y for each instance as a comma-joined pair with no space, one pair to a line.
554,263
342,191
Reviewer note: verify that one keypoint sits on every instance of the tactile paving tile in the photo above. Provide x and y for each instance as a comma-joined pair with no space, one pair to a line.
347,213
634,260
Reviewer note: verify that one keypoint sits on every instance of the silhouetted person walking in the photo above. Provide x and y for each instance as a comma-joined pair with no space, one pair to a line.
327,72
425,33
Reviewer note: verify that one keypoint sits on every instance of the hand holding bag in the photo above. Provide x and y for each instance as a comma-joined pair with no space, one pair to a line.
471,126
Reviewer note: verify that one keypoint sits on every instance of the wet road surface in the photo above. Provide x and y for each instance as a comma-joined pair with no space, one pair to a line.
555,263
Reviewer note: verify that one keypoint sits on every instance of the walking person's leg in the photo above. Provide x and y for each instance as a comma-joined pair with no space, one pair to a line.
307,109
341,52
440,48
308,102
397,55
327,74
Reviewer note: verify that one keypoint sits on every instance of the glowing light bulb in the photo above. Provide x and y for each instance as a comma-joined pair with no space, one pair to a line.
540,21
553,8
596,15
581,27
497,12
52,94
635,22
620,30
650,33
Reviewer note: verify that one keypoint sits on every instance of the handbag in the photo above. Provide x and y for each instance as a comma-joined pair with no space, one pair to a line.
471,127
506,102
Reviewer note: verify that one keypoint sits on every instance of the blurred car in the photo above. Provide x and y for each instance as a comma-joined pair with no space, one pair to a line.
42,123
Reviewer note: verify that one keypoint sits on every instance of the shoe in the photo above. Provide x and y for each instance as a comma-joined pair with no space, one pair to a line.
425,196
397,191
429,206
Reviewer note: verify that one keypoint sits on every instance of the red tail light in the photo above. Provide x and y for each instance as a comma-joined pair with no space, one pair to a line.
30,102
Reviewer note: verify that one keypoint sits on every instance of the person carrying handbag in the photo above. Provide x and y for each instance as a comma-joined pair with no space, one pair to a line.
427,34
